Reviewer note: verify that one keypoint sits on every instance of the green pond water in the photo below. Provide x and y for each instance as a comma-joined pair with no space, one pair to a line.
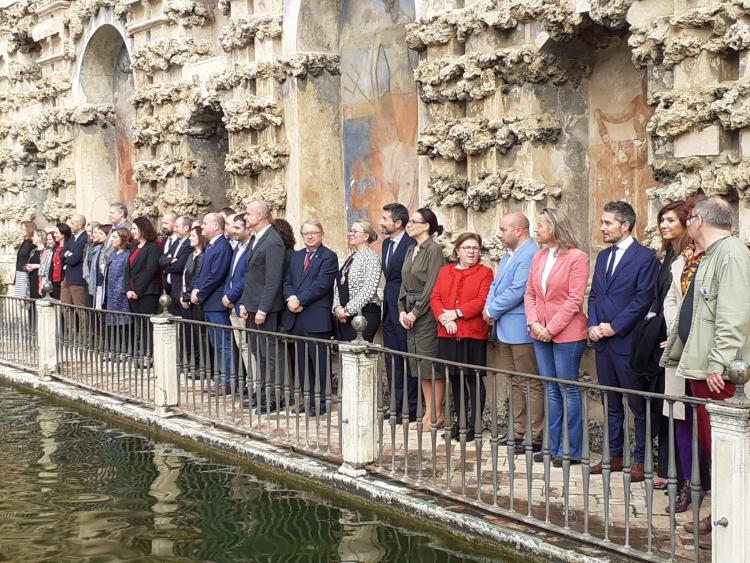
76,488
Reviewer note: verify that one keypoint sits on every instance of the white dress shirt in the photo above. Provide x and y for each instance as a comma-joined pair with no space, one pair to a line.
622,246
548,265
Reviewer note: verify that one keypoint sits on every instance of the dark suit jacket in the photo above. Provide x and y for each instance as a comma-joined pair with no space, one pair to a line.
626,298
235,283
174,264
265,274
314,289
143,276
214,270
72,259
392,275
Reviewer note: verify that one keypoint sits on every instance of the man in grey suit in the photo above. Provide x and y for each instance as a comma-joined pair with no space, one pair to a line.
262,300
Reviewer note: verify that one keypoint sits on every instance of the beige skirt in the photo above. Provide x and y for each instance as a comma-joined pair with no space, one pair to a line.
674,385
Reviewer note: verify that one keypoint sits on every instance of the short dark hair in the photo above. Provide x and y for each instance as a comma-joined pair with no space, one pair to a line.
227,211
286,232
398,212
104,228
148,233
125,236
64,229
623,211
240,218
429,216
202,240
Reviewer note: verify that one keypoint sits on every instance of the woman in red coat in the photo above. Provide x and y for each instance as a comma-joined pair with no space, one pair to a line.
457,301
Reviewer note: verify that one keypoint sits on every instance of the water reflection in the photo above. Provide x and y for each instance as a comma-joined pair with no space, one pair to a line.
74,488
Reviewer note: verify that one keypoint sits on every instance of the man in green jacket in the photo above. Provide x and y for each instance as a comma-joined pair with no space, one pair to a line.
713,323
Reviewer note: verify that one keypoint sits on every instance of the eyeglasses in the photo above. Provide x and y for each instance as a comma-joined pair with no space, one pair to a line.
692,216
469,248
314,233
415,222
353,232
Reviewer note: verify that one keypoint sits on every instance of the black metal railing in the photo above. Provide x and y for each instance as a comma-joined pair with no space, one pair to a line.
18,332
484,468
280,386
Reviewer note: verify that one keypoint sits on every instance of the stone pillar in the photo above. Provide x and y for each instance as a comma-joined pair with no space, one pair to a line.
358,408
165,363
730,481
47,337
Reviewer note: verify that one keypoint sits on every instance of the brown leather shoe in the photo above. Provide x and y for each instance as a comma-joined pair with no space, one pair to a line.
221,390
615,464
636,473
704,526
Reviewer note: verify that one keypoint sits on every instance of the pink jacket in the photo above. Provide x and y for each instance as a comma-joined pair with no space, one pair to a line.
560,308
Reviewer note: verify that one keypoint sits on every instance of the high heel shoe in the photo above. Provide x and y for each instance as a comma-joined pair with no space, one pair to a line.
685,500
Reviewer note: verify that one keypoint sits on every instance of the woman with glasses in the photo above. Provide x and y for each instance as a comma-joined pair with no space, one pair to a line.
422,265
356,287
554,312
457,302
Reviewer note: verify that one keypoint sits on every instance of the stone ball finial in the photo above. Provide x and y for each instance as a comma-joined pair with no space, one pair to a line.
47,289
739,374
359,323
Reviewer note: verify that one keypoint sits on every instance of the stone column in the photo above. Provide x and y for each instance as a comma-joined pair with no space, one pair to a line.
730,481
47,338
358,408
165,363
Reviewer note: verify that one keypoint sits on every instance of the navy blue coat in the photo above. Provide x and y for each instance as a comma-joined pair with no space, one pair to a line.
313,288
626,298
392,275
72,259
174,264
235,283
213,275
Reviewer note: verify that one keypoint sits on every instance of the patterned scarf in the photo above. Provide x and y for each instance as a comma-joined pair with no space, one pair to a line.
692,261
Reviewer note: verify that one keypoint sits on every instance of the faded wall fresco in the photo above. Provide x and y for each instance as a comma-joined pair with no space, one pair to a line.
122,85
379,106
618,141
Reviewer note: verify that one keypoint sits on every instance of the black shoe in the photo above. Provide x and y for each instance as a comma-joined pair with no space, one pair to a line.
456,434
539,457
558,461
520,449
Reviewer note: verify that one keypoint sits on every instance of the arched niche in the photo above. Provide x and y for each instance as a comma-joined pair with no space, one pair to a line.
104,156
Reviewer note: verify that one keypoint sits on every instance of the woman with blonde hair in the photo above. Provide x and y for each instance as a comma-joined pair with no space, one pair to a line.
554,312
21,280
356,287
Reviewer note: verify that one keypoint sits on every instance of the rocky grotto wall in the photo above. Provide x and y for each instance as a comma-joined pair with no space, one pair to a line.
331,108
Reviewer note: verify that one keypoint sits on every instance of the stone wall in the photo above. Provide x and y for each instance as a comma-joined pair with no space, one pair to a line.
332,108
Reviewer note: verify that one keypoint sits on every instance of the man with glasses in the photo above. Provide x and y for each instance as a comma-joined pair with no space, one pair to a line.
308,292
505,310
393,225
622,291
713,323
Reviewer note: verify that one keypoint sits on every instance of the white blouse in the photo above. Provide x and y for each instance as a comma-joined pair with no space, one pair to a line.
551,259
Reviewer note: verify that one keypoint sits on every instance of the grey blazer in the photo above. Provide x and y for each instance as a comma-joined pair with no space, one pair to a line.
265,274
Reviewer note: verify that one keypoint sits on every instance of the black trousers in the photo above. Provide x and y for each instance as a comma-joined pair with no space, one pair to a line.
264,372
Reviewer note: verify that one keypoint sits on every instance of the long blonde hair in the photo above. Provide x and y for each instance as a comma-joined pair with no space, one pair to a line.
560,228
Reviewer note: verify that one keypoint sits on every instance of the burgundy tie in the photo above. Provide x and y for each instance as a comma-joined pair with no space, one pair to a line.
308,257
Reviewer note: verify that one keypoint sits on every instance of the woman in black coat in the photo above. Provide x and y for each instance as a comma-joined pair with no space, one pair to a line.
142,282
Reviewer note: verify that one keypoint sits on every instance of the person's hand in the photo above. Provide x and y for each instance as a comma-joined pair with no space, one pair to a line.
536,329
447,316
594,334
663,345
606,330
407,320
714,381
184,304
194,297
293,304
131,295
341,314
489,320
451,327
260,318
243,313
225,302
545,335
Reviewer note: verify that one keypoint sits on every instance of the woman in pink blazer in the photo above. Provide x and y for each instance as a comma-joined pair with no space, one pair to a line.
554,312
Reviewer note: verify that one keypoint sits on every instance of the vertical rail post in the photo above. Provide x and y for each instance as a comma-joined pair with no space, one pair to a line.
359,375
165,363
47,337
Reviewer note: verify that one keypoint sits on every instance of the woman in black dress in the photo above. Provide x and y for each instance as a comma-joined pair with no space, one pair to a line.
193,311
32,266
21,279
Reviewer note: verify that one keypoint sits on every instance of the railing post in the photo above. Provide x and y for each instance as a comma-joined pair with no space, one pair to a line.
46,337
730,481
165,363
358,407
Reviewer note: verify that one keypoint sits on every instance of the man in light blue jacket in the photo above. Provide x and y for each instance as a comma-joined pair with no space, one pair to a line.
504,309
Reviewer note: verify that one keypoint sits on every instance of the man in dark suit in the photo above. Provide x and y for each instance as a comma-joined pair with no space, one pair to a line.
235,284
622,291
308,292
173,260
262,299
393,225
73,288
208,289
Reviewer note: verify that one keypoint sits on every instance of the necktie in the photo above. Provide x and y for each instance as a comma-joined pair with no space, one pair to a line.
308,257
389,254
611,265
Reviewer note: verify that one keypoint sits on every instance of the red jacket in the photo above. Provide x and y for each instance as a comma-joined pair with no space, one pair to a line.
466,290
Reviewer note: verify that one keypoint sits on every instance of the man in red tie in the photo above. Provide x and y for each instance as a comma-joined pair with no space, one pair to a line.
308,293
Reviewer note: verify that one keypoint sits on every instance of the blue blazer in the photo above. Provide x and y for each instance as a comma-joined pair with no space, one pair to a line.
625,299
72,259
392,275
313,288
236,280
214,270
505,300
